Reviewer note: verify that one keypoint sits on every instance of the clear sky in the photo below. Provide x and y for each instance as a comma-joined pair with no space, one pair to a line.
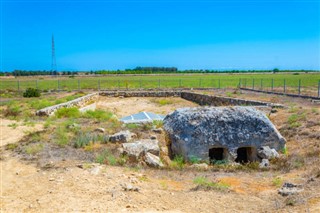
190,34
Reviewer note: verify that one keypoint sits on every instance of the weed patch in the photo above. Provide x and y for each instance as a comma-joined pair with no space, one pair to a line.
72,112
204,184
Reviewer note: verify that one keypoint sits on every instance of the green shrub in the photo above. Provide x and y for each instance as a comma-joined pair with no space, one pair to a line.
98,114
72,112
31,92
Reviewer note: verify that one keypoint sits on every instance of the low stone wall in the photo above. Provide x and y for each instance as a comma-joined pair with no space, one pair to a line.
78,102
209,100
281,93
203,100
170,93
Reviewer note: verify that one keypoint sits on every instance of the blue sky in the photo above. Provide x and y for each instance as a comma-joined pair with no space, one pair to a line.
92,35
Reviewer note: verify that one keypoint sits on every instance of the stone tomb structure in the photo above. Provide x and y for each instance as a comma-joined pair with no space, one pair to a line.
221,133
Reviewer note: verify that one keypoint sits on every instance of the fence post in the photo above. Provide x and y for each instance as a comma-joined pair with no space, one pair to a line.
319,89
284,85
18,84
253,83
299,89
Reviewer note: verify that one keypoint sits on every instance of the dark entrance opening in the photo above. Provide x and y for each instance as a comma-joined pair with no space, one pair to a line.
216,154
244,155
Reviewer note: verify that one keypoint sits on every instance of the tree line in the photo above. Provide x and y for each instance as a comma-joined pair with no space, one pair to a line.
138,70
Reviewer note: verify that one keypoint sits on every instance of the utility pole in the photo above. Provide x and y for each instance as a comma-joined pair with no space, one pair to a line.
53,59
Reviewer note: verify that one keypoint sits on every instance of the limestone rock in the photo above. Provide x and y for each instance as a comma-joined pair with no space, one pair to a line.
153,160
264,164
265,152
138,149
289,189
102,130
158,130
192,132
122,137
200,166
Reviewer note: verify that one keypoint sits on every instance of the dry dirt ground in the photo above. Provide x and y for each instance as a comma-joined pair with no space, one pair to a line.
128,106
68,187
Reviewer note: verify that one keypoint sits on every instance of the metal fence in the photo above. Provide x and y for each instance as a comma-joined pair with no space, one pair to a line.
286,86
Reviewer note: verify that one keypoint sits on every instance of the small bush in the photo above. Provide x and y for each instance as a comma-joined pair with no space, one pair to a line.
12,110
163,102
277,182
205,184
178,162
13,125
157,123
194,160
84,139
72,112
40,104
62,138
31,92
98,114
132,126
11,146
106,157
33,149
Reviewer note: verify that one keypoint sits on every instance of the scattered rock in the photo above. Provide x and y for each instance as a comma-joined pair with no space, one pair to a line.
153,160
201,166
73,126
265,152
153,137
102,130
264,164
274,110
158,130
137,149
289,189
129,187
52,179
95,170
122,137
193,131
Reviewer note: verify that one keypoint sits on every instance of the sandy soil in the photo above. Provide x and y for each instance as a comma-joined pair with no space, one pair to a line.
94,188
128,106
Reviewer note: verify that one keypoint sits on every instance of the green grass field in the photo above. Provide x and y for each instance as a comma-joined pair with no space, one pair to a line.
308,82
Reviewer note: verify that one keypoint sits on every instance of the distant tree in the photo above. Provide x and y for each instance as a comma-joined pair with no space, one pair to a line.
275,70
